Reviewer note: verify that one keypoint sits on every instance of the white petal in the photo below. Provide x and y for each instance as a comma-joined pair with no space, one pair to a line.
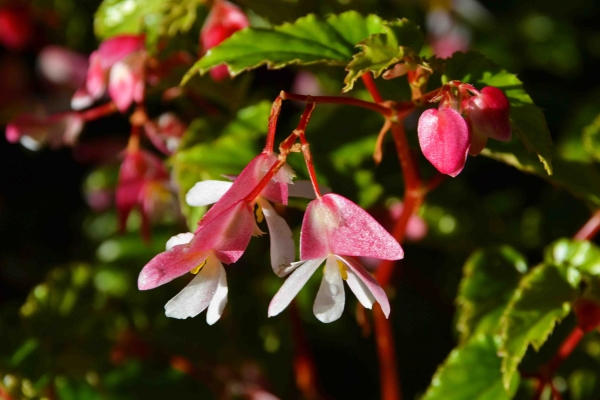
217,304
303,188
292,285
283,249
329,304
197,295
370,283
182,238
360,290
206,192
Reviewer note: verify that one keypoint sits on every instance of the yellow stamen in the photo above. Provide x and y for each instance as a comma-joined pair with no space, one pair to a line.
198,268
259,213
343,270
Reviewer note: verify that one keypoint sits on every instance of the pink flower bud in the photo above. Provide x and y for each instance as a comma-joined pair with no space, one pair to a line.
126,81
444,138
223,21
57,130
488,116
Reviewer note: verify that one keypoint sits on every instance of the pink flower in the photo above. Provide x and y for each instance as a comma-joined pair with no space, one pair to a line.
166,132
333,231
57,130
126,54
223,21
488,116
62,66
445,139
222,236
143,182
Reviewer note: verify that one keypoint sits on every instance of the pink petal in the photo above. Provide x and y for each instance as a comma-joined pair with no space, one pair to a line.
444,139
116,48
330,300
219,73
283,249
227,234
488,114
97,77
370,282
169,265
81,99
292,286
124,83
198,294
335,225
223,20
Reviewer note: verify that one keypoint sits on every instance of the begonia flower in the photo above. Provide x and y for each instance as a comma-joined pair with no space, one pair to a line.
34,132
488,116
334,230
127,54
223,20
165,132
221,237
444,138
144,183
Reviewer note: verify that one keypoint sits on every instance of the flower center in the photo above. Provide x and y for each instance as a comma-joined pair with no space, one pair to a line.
343,270
198,268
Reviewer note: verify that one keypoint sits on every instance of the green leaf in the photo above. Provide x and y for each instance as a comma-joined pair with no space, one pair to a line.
153,17
591,138
543,299
471,372
381,50
581,179
228,154
580,254
527,120
308,40
489,279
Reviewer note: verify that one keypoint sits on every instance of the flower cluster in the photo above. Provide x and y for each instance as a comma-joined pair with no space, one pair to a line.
446,137
333,231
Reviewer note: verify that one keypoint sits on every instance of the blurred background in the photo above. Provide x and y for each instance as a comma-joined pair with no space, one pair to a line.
72,322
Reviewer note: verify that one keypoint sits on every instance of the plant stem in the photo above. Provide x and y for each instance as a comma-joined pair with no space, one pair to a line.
386,351
275,110
369,82
386,111
590,229
98,112
304,364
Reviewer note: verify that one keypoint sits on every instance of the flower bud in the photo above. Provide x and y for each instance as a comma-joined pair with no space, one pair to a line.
488,117
445,139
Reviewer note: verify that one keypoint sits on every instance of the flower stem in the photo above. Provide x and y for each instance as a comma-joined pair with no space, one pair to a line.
590,229
386,111
369,82
386,351
275,110
98,112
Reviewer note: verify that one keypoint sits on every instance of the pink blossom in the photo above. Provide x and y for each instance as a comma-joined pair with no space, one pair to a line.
445,139
223,21
62,66
143,182
57,130
221,237
126,54
165,132
333,231
488,116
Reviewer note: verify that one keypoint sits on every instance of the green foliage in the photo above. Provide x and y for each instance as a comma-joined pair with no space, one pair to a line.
489,280
307,41
591,138
155,18
543,298
471,372
527,120
381,50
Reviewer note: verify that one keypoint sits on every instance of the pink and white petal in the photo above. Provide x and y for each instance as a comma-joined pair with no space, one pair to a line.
181,238
118,47
81,99
283,249
292,285
95,84
277,192
197,295
207,192
121,85
370,282
329,304
219,300
169,265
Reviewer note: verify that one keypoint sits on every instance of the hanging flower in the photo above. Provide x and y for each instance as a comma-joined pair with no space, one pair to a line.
34,132
333,231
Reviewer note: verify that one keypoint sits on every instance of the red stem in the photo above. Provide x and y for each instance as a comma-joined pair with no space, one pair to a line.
566,348
98,112
590,229
275,110
308,156
386,111
369,82
386,351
